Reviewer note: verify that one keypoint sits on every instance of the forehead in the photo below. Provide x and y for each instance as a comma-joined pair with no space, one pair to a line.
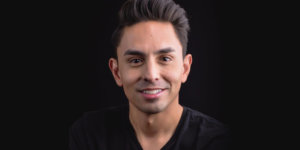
149,36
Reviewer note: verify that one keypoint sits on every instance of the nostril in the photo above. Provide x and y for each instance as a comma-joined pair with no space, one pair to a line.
150,79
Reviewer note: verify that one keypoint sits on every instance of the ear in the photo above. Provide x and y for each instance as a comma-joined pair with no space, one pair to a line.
187,63
114,68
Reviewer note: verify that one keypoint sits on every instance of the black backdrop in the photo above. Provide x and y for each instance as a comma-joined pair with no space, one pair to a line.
228,79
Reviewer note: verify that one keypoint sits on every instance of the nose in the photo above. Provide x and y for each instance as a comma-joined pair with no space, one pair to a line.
151,71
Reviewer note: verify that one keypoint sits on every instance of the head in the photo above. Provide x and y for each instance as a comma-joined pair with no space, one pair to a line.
151,61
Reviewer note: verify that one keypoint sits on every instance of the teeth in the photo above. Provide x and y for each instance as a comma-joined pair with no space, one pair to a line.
151,91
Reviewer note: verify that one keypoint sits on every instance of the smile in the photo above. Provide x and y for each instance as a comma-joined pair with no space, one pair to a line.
151,93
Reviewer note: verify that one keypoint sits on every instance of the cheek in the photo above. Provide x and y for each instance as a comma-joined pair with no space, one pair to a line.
129,77
173,75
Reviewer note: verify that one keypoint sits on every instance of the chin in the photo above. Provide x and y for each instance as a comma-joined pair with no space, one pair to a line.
153,109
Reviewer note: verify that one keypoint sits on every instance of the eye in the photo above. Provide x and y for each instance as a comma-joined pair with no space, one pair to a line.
135,61
166,59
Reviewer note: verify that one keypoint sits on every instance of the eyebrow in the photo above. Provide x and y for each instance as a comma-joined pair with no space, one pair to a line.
137,52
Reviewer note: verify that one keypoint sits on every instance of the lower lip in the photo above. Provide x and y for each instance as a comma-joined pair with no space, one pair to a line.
152,96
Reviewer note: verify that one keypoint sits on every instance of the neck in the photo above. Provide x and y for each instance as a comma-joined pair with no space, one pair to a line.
156,125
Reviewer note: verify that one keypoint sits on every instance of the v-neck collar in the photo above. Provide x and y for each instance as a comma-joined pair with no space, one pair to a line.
170,141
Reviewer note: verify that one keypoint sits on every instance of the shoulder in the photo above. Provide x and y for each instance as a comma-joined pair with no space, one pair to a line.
92,128
207,130
202,119
99,119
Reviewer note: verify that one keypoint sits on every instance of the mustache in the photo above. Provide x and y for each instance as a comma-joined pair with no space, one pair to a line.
142,84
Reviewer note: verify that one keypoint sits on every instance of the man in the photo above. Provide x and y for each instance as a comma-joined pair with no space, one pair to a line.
150,64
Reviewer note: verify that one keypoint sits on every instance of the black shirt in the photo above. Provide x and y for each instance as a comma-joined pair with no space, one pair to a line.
110,129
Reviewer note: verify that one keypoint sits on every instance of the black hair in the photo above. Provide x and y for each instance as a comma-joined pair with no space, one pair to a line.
135,11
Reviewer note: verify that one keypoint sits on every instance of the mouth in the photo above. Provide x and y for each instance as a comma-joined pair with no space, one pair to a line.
151,93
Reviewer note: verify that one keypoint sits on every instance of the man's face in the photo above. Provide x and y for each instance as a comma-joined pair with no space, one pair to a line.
150,66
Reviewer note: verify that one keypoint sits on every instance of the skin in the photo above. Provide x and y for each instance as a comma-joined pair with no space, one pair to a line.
150,57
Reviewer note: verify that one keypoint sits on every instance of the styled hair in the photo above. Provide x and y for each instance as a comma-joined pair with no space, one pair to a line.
135,11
